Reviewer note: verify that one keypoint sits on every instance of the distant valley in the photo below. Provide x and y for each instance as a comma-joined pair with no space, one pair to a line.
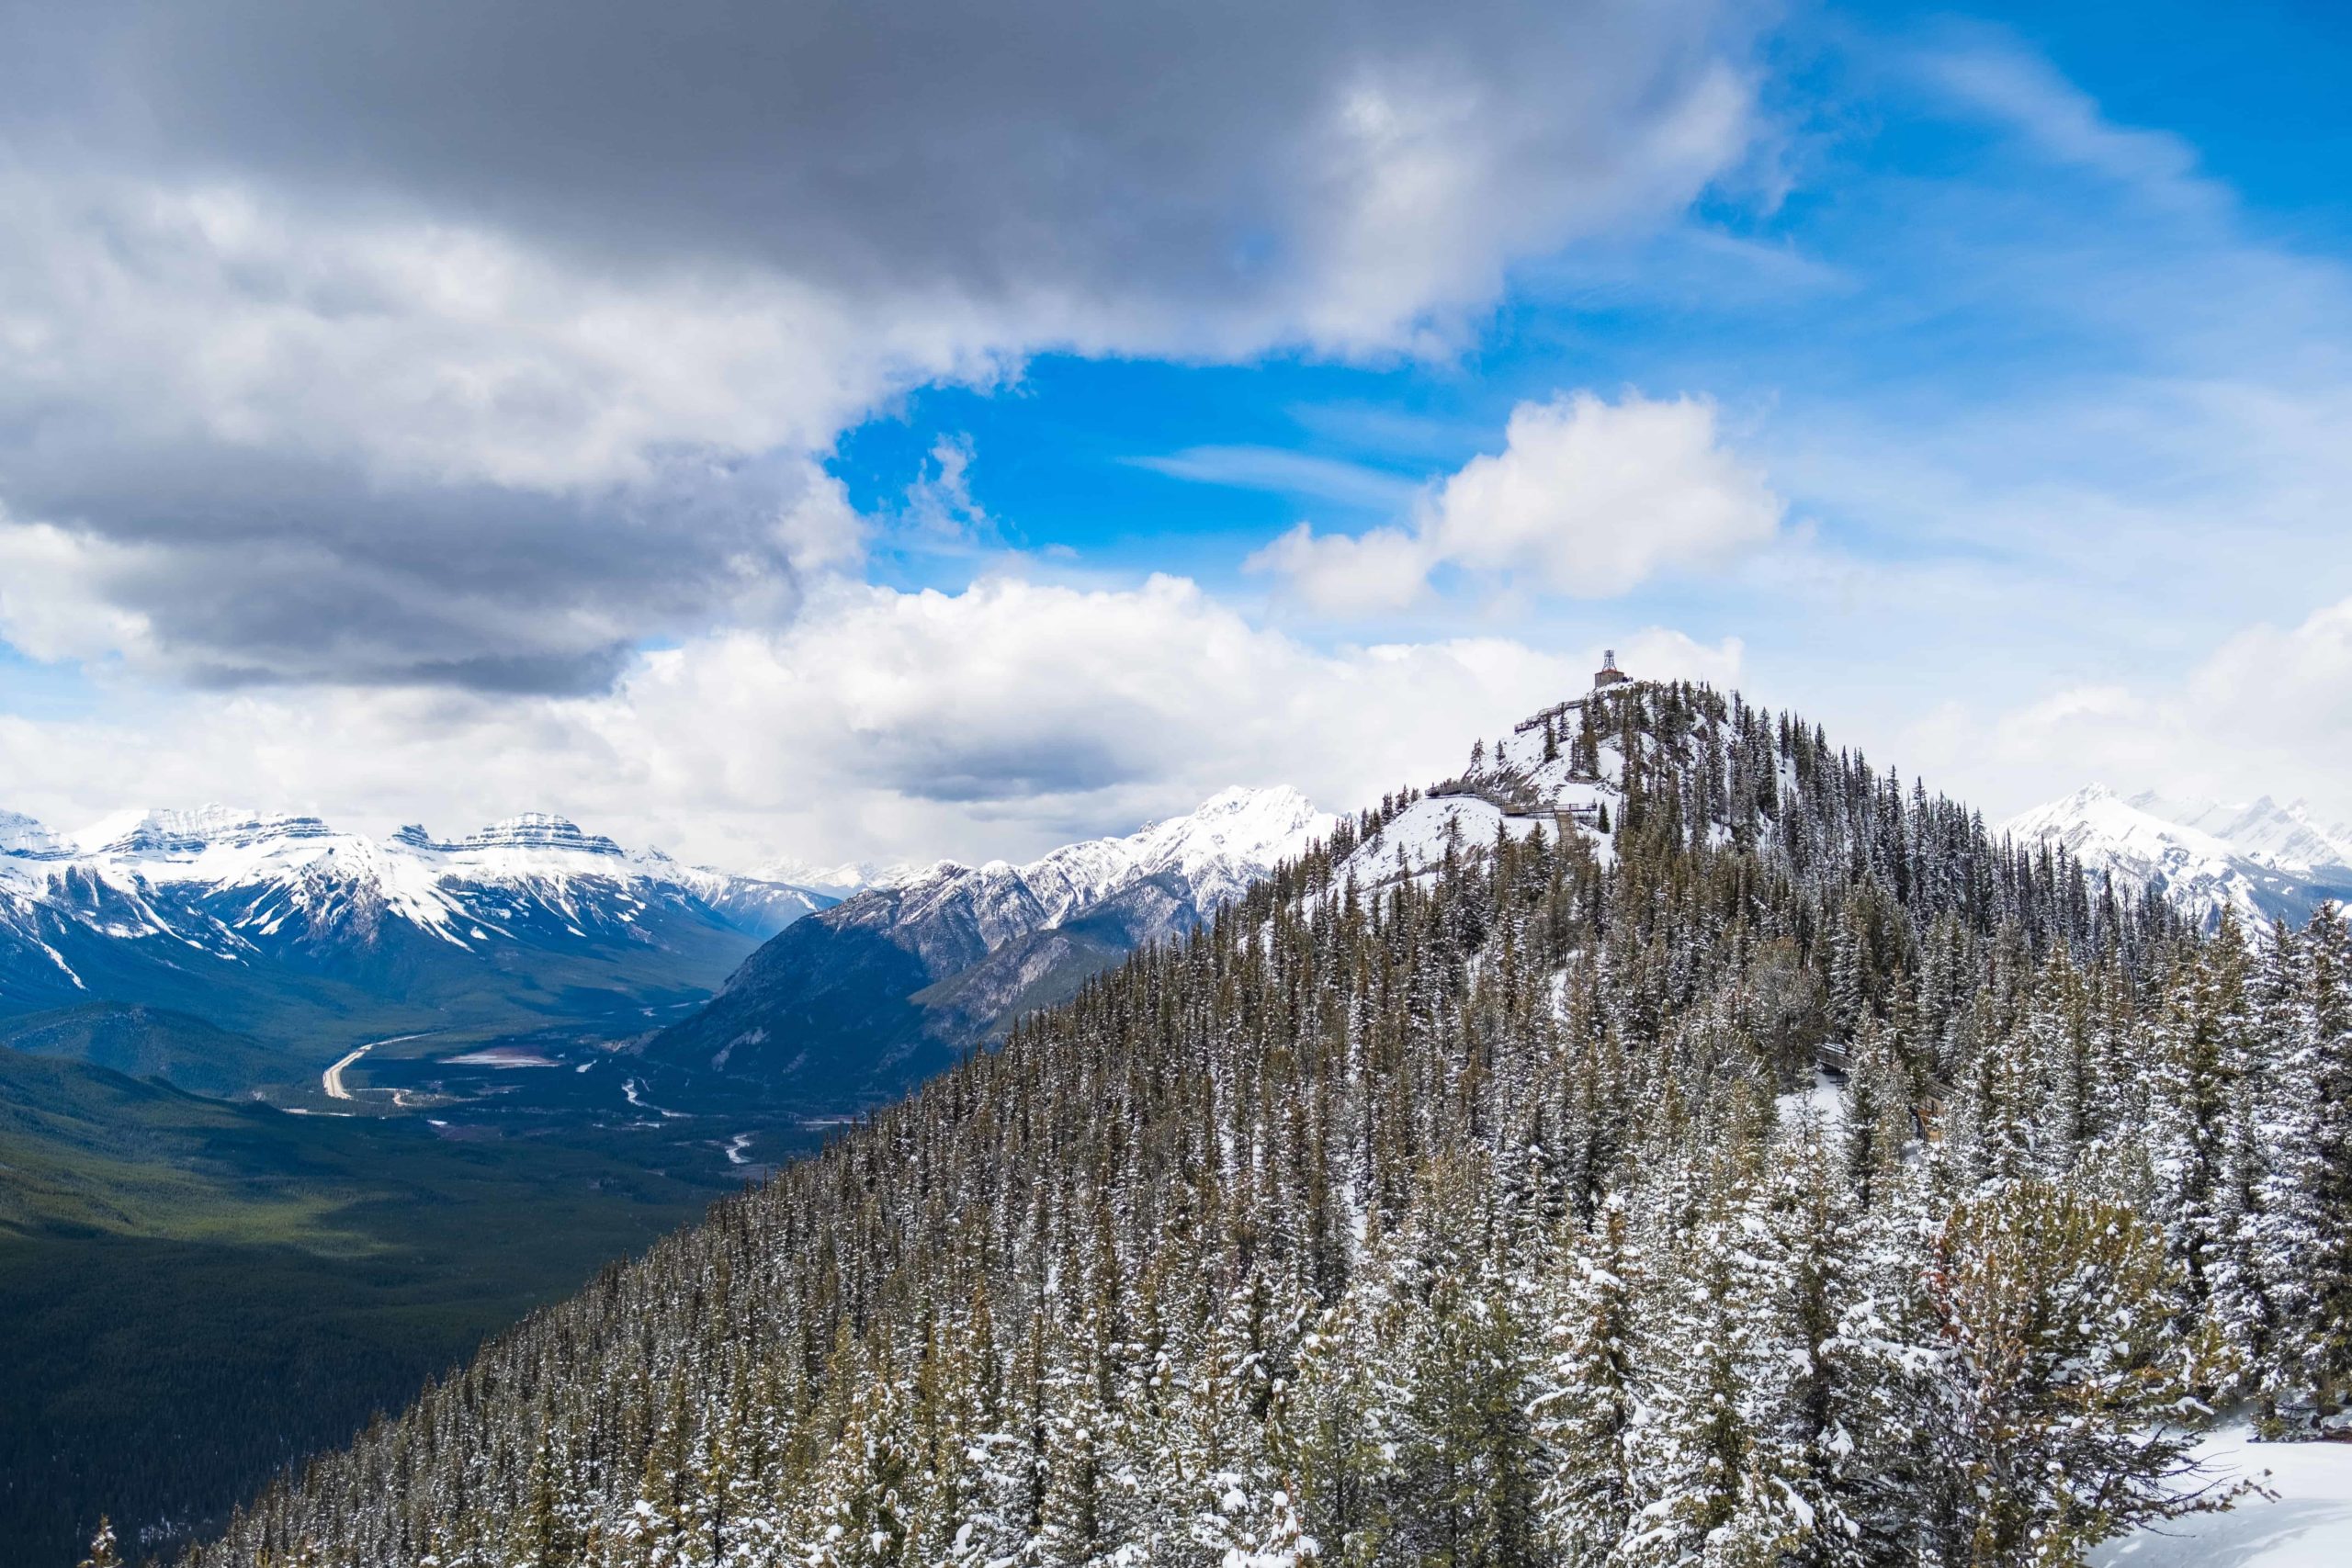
358,1102
323,1094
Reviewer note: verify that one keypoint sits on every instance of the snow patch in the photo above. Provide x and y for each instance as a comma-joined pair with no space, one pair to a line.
2309,1525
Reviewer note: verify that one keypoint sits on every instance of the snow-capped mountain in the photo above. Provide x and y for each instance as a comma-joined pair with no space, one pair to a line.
841,880
21,835
216,910
2262,860
1532,778
2280,835
893,982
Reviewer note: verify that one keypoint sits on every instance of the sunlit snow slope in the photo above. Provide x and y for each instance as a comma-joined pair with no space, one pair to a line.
2307,1523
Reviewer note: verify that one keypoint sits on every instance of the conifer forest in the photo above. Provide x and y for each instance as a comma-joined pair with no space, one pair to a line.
1769,1167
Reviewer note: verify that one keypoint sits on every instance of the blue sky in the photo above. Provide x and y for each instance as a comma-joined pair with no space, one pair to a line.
1930,263
1996,364
1969,282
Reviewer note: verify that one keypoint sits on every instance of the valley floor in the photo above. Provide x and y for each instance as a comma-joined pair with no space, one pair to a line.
195,1292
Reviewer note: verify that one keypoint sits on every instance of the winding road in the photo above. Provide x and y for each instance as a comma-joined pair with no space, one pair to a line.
332,1079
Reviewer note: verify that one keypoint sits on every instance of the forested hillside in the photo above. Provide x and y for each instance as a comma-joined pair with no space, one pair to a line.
1777,1170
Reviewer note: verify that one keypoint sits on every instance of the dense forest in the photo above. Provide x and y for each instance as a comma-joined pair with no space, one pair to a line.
1779,1170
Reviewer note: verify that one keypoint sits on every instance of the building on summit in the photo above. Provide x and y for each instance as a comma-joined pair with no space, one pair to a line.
1608,675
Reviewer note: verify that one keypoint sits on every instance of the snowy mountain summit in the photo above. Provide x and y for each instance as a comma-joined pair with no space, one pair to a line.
1204,859
2287,837
1558,770
840,880
2260,860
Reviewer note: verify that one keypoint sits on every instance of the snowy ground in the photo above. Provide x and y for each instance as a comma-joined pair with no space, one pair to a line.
2310,1525
1824,1103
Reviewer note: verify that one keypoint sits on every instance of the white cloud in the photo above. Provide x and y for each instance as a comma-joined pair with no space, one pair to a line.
2290,690
417,349
1000,720
242,440
46,607
1285,472
1592,499
1383,568
1587,499
1993,76
2266,712
1431,181
940,511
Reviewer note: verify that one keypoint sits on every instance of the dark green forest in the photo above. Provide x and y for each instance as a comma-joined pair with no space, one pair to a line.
1789,1173
193,1294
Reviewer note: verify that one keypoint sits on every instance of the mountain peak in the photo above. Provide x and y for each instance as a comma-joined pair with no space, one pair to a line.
1239,799
252,887
846,879
933,961
534,828
22,835
528,830
2286,837
170,831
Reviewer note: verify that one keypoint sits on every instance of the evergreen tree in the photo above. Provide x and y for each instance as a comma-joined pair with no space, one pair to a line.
1586,1398
2064,1376
2306,1235
103,1553
2202,1058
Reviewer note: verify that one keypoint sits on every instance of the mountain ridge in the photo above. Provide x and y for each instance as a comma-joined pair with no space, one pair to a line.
2251,861
1439,1155
278,923
896,981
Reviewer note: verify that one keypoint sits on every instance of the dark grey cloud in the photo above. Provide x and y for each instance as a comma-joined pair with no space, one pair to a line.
975,768
464,343
261,567
973,145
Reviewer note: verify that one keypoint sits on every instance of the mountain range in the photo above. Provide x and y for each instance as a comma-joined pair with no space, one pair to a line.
836,985
285,927
855,1003
2261,860
1539,1127
1483,975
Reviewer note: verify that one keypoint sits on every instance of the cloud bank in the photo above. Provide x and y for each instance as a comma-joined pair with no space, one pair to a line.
1000,720
476,346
